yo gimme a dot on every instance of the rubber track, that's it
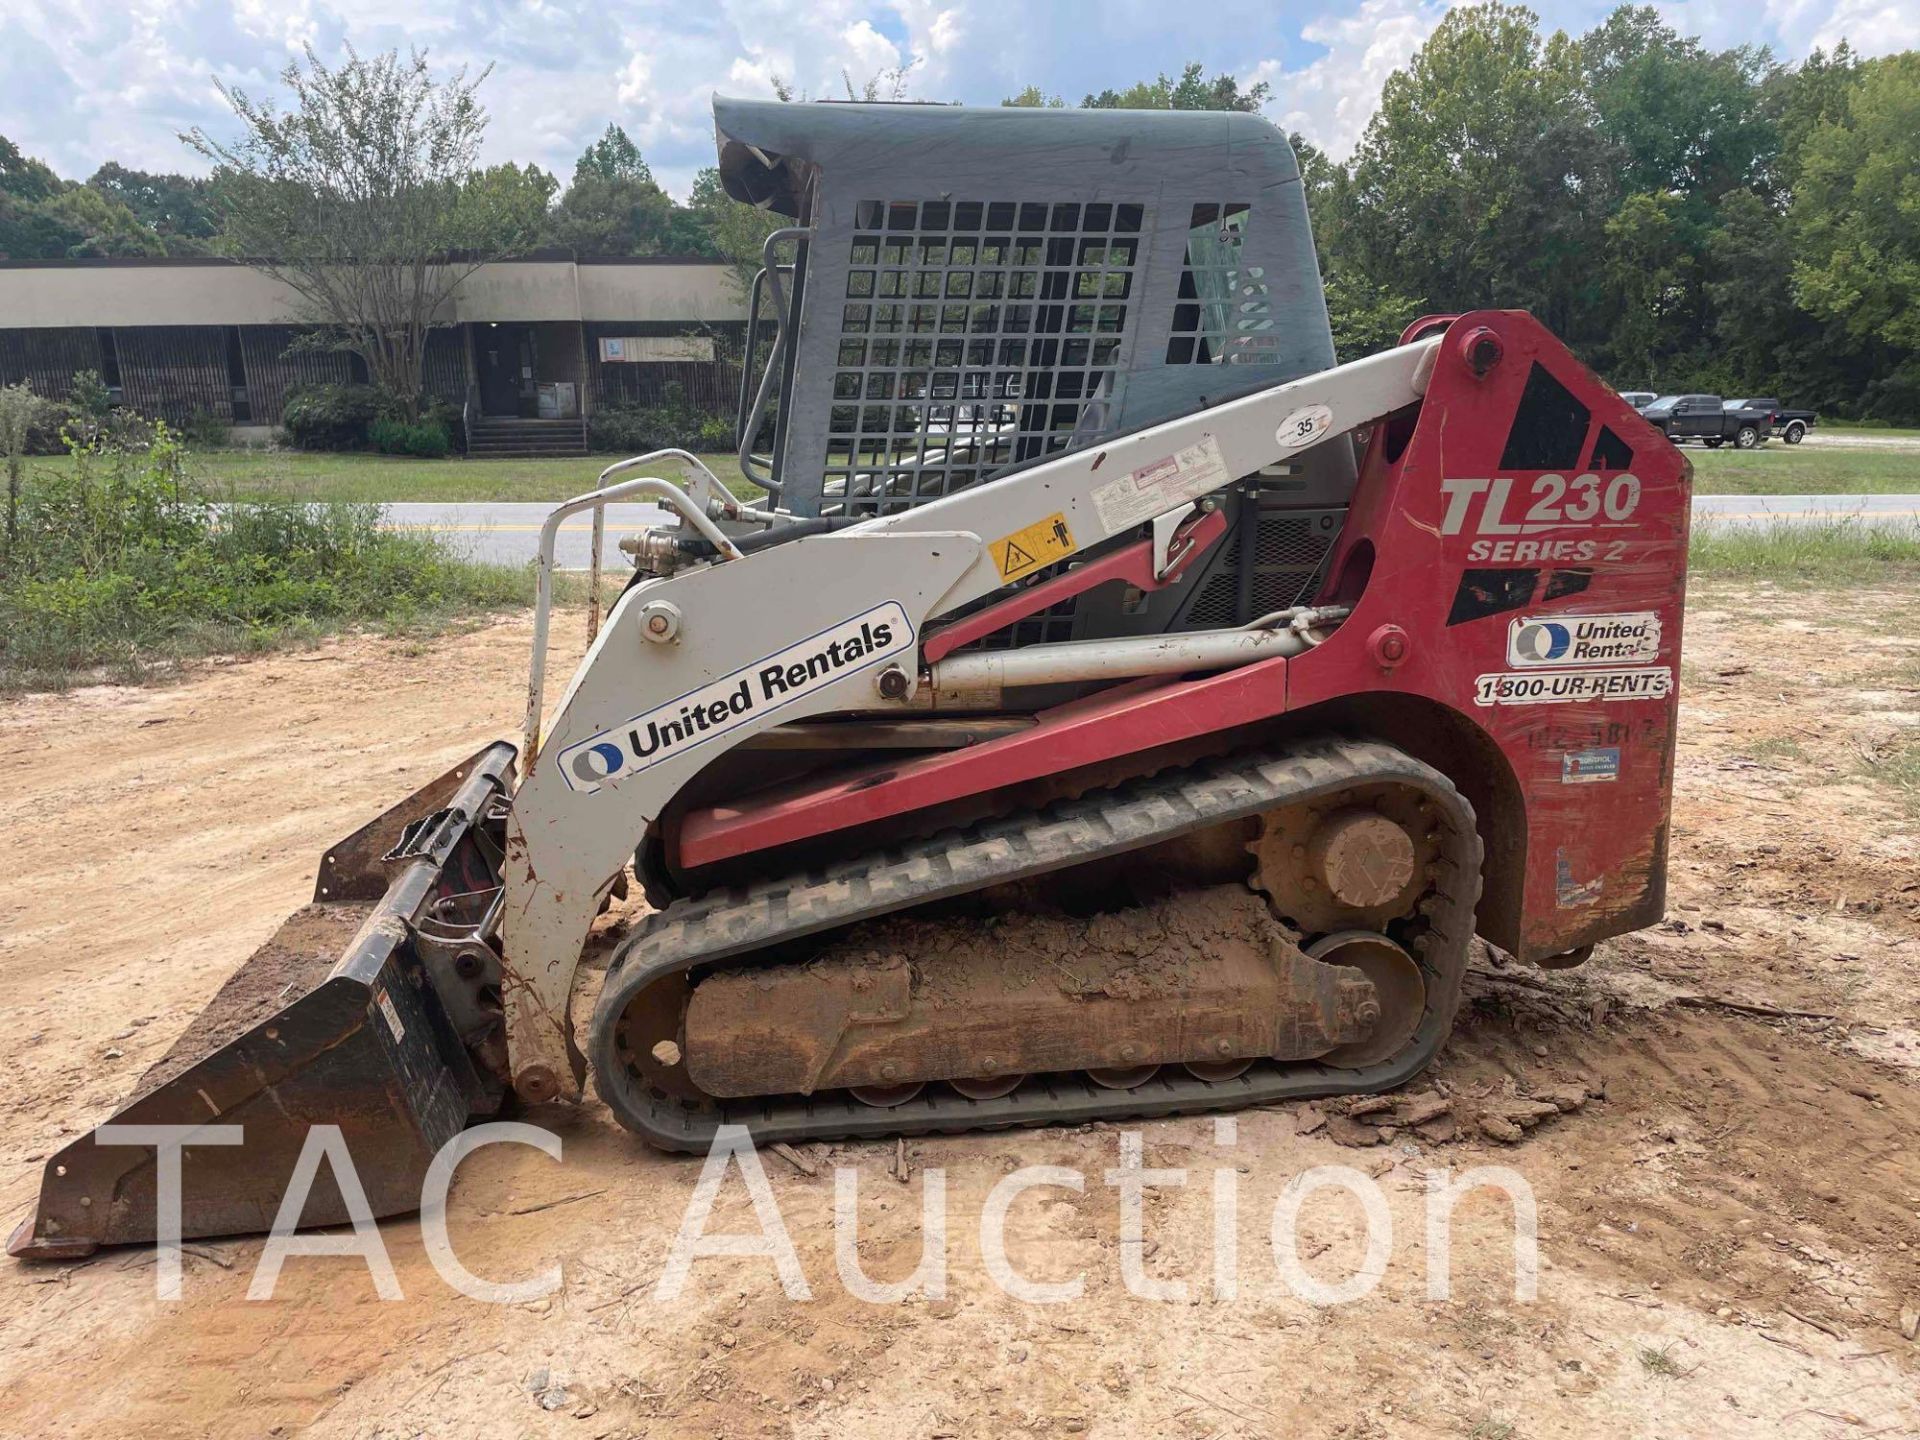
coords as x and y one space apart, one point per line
723 924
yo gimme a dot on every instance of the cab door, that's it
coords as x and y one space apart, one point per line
1697 417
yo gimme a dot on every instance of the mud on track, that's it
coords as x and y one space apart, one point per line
1729 1229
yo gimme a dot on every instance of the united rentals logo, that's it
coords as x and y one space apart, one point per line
733 700
1583 639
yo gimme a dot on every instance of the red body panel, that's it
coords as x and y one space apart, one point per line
1522 489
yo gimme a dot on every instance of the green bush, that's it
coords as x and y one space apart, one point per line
206 431
447 416
333 417
45 434
427 439
123 560
629 429
716 434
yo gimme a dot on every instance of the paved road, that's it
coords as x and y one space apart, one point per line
510 533
1859 440
1897 510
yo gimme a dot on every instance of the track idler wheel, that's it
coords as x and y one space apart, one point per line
988 1087
886 1097
1218 1072
1129 1077
1398 986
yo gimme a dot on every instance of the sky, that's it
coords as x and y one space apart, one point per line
85 81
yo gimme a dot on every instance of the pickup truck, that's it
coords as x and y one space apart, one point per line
1709 419
1790 425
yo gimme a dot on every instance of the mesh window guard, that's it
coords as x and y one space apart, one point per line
972 336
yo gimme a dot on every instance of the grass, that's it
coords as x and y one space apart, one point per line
1775 747
125 565
297 475
1778 469
1658 1360
1809 553
1870 427
1896 769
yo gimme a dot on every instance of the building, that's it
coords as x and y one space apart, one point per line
532 348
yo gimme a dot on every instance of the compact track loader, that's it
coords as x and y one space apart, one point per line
1115 707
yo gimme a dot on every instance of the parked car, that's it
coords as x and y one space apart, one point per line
1638 399
1708 419
1790 425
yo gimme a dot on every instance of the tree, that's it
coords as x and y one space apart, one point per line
1189 92
737 232
176 208
1034 98
1800 99
1476 176
19 409
102 226
612 157
23 177
1679 117
1650 273
27 232
365 198
1856 224
613 206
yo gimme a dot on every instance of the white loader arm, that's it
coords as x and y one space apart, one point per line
688 666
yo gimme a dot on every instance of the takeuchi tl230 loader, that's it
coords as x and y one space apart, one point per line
1114 708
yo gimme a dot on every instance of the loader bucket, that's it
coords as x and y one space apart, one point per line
375 1008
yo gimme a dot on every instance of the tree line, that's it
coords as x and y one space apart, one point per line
1684 218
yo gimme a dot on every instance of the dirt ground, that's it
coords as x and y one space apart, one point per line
1729 1211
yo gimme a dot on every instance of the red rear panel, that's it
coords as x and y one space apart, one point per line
1529 543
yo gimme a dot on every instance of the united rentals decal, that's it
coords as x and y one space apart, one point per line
749 693
1583 639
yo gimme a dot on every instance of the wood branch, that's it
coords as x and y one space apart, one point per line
1741 1007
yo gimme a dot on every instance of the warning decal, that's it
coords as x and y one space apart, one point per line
1162 486
1025 551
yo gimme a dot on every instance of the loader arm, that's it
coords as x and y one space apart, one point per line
690 665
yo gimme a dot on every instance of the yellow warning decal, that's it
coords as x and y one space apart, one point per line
1025 551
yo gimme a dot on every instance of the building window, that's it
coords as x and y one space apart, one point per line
109 361
237 378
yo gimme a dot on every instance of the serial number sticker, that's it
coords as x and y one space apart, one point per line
1567 687
1025 551
1303 427
1162 486
1598 766
392 1017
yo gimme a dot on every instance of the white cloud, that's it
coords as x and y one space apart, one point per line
1331 99
868 50
636 80
1870 27
1794 27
